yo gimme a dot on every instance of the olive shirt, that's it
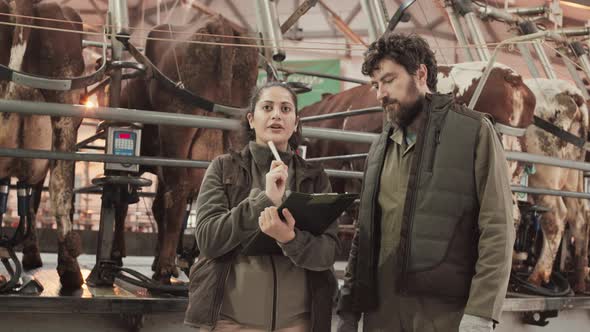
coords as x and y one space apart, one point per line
398 312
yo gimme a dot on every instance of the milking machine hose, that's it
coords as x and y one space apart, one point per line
561 283
15 275
141 280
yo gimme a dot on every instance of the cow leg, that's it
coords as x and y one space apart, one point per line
576 209
61 184
175 198
578 228
158 207
552 225
179 183
31 256
60 55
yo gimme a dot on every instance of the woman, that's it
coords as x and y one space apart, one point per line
239 196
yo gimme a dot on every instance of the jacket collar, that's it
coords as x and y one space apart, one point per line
263 156
302 170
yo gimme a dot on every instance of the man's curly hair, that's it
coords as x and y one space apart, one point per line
407 50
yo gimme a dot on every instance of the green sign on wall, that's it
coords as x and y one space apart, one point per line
319 85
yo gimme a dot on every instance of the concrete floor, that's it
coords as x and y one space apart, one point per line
570 320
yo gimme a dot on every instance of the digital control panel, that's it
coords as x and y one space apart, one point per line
123 142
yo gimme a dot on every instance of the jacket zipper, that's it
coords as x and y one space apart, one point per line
433 154
273 320
408 243
218 296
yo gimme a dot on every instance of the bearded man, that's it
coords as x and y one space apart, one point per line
433 242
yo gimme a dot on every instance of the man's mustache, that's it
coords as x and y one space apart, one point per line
389 102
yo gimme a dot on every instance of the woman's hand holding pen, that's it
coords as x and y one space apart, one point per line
271 224
276 182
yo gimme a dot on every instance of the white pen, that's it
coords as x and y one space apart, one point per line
275 153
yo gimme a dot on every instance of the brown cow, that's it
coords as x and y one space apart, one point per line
561 103
52 54
223 74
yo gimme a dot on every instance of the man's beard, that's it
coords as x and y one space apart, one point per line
403 114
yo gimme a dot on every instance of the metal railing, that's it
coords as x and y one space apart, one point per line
163 118
185 120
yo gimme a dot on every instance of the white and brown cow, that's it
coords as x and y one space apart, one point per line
561 103
52 54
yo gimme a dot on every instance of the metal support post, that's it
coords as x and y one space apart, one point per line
119 25
380 15
582 55
113 195
372 26
459 32
268 25
465 9
528 28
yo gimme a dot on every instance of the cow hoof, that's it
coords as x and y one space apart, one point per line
71 279
67 265
31 258
161 278
163 273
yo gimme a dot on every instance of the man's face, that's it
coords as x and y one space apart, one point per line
398 91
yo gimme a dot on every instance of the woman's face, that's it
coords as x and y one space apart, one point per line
274 117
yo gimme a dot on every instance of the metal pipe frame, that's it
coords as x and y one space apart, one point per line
526 54
169 162
545 63
185 120
142 160
550 161
84 143
98 157
350 113
574 74
119 21
549 192
92 43
459 32
528 11
94 189
512 16
268 24
342 157
491 61
333 77
372 26
573 32
336 173
477 36
585 63
380 15
162 118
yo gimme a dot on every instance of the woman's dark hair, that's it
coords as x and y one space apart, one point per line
248 134
410 51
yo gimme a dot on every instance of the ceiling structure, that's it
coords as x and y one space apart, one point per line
428 19
317 21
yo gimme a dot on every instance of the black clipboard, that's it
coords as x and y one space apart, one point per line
312 212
